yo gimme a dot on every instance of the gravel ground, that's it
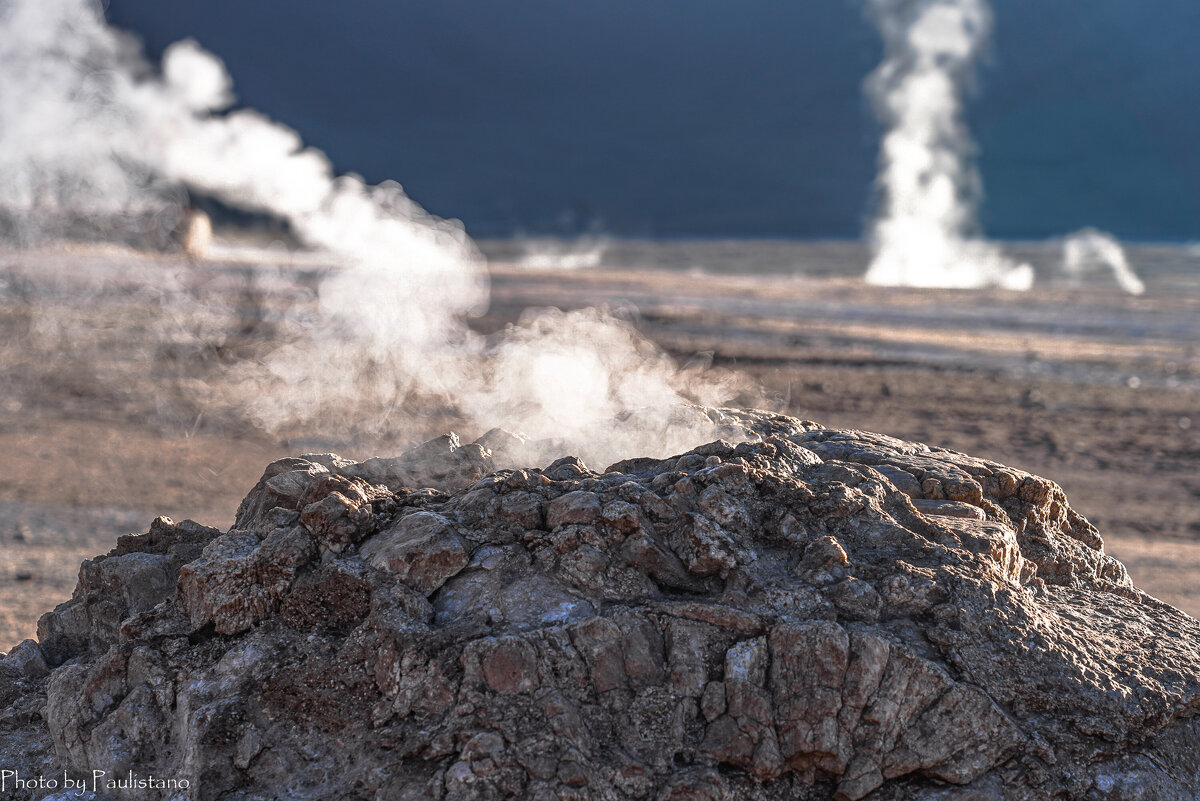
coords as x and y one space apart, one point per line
103 427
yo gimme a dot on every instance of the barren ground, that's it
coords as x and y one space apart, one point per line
1093 389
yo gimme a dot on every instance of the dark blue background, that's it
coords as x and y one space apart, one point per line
708 117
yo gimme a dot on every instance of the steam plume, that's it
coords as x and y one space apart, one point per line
89 130
1089 253
925 231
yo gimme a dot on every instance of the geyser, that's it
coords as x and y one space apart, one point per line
926 229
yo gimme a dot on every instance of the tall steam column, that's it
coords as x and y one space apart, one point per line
926 230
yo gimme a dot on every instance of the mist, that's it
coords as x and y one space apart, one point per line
92 136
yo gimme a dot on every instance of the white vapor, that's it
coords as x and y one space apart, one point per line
90 131
1089 254
553 254
66 154
925 230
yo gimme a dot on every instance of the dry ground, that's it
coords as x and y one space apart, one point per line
1093 389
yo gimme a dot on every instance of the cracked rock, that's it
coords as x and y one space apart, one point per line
808 614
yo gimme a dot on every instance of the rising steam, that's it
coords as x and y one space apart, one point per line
91 132
553 254
1089 256
925 233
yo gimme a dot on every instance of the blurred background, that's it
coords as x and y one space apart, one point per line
702 118
973 226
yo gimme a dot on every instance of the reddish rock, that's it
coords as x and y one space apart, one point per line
423 550
575 507
509 665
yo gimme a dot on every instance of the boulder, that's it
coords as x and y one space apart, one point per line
809 614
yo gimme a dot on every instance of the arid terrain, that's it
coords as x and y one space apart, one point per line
106 424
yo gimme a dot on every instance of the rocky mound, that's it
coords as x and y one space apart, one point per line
813 614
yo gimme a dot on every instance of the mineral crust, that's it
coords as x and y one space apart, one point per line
809 614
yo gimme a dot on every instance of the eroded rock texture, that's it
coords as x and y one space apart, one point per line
813 614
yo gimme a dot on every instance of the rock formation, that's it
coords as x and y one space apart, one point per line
811 614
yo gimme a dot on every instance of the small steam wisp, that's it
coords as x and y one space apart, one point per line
91 132
925 231
1089 256
551 254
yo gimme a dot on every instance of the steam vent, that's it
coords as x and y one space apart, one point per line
814 614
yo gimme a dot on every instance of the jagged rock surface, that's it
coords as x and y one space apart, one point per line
814 614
